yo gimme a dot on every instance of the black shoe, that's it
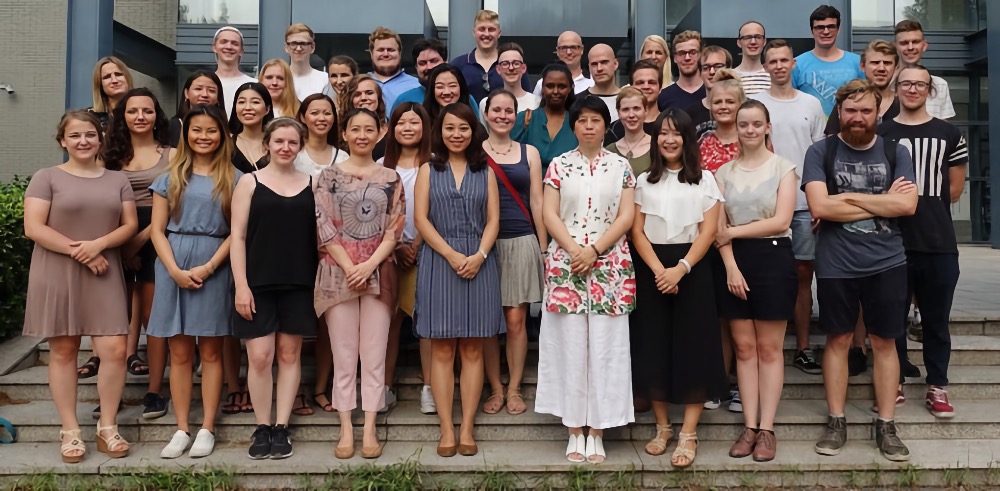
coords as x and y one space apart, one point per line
260 443
834 436
909 370
154 406
857 361
96 413
281 442
888 443
805 360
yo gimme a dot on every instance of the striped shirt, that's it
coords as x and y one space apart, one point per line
754 82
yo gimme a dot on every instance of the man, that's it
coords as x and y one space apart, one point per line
428 53
823 70
797 121
569 50
751 39
604 71
228 48
480 65
858 184
646 76
713 59
940 156
911 45
300 43
689 87
385 46
878 61
511 67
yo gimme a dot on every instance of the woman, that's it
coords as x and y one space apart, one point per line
202 87
408 146
79 214
583 348
754 239
341 69
655 48
252 110
137 146
192 299
276 75
547 128
363 92
112 79
274 268
322 146
359 218
676 346
457 212
635 145
519 246
445 85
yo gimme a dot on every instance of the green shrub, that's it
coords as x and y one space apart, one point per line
15 257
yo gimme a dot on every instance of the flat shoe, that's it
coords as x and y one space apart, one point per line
372 452
577 445
203 444
595 450
178 444
444 451
468 450
343 453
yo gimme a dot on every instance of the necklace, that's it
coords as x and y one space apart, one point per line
629 148
247 149
510 147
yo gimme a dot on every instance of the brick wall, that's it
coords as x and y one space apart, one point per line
158 20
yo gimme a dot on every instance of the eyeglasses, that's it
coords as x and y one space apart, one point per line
713 67
825 27
909 84
569 49
692 53
298 44
752 37
515 64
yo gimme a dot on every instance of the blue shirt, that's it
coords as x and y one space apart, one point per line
822 78
477 80
537 135
398 84
418 94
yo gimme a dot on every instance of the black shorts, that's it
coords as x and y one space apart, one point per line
718 268
147 254
768 266
881 297
288 311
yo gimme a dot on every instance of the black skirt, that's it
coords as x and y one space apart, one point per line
147 254
768 266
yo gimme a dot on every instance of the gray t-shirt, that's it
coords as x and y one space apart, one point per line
865 247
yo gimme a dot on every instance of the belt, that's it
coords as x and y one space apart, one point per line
196 234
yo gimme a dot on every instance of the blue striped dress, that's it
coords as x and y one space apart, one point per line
447 305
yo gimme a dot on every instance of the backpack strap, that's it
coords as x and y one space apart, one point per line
890 148
502 177
829 157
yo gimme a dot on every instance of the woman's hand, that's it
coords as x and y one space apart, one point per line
406 256
200 273
98 265
456 260
244 303
583 260
723 237
185 279
86 250
668 278
470 268
357 275
736 283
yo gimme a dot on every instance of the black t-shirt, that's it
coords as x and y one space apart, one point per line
675 96
617 131
935 146
833 123
175 131
701 117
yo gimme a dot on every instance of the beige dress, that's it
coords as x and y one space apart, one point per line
64 297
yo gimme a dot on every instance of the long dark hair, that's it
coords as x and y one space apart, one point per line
117 150
474 153
392 147
235 125
690 157
430 103
561 68
184 105
333 137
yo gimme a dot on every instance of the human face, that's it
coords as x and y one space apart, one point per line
752 127
647 81
589 128
751 39
318 118
274 79
250 108
632 113
228 47
569 48
724 105
911 46
687 56
361 134
299 46
825 32
555 89
511 66
284 145
780 63
385 57
339 76
913 86
366 96
879 68
113 81
711 64
456 133
409 129
446 89
487 35
426 61
81 140
500 116
140 114
603 65
202 91
670 142
204 135
857 120
653 51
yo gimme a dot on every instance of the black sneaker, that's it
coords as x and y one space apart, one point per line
834 436
281 442
909 370
154 406
260 443
857 361
805 360
888 443
96 413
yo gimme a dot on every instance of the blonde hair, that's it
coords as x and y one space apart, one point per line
488 16
688 35
380 33
858 89
287 102
299 28
880 46
101 102
223 173
668 77
728 80
627 92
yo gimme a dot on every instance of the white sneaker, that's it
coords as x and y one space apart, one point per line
735 404
427 405
713 404
178 444
203 445
390 401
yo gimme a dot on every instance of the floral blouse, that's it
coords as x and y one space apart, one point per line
714 153
356 213
589 196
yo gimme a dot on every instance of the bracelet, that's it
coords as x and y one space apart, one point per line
686 264
484 254
596 252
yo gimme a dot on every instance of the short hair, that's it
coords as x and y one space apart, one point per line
684 36
333 137
563 69
381 33
646 65
487 16
747 23
79 115
184 105
299 28
908 25
627 92
101 102
775 44
593 103
230 29
474 153
499 93
707 50
824 12
344 60
918 66
858 88
726 74
880 46
424 44
284 122
510 47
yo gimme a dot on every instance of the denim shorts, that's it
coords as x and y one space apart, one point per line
803 236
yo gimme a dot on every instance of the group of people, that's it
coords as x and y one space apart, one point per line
670 228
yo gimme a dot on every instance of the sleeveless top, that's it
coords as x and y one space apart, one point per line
142 179
281 239
513 223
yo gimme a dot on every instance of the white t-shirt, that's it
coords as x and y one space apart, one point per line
754 82
674 209
229 86
939 103
752 194
796 124
527 101
313 83
580 84
409 179
305 164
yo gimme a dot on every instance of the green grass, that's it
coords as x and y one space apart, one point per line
188 479
956 477
623 480
497 479
581 478
908 476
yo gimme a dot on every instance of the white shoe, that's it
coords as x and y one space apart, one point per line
390 401
427 405
178 444
577 444
203 445
595 450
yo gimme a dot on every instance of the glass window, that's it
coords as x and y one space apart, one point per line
869 13
934 15
677 9
218 11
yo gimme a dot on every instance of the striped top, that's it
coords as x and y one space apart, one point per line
754 82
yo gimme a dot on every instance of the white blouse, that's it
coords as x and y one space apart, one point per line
674 209
589 192
305 164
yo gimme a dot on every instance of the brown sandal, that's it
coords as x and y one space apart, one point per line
682 451
75 443
233 404
489 407
658 445
115 446
512 396
302 407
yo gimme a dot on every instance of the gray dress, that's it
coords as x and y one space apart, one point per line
194 239
447 305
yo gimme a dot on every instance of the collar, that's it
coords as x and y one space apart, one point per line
390 79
